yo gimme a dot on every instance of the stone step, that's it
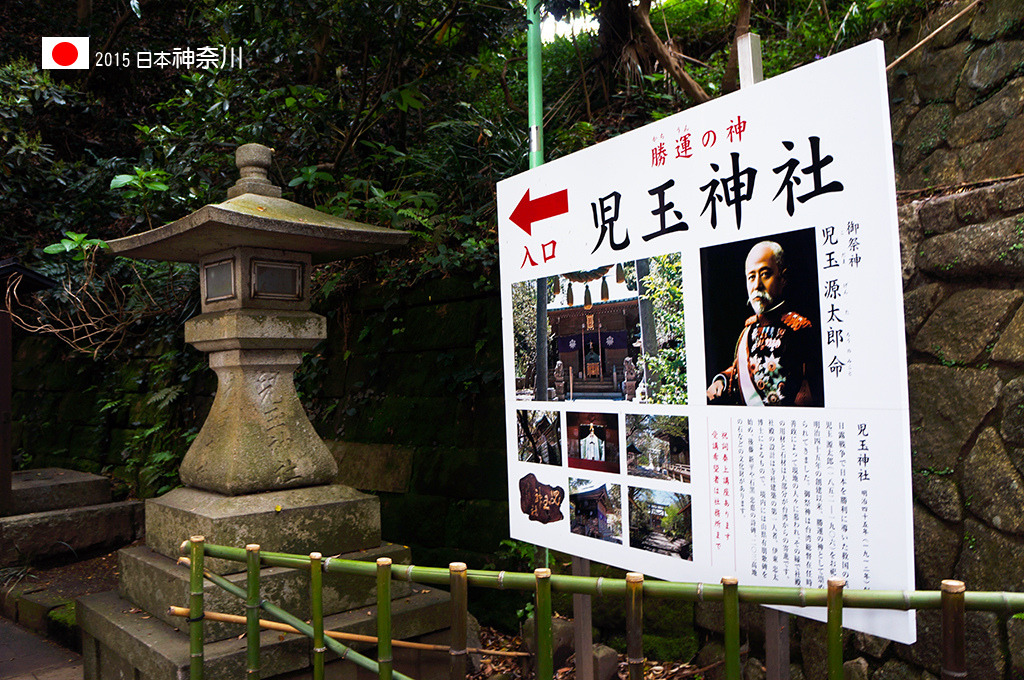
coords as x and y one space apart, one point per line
119 640
153 582
55 488
39 536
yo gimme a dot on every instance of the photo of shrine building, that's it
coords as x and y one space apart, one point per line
593 441
593 513
658 447
594 321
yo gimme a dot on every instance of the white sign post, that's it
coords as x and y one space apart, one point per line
693 436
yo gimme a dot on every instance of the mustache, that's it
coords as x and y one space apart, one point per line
760 300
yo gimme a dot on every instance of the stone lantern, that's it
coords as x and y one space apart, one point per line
255 252
257 472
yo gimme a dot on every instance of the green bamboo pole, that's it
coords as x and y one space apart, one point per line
954 660
385 656
284 617
316 594
460 601
731 617
901 600
635 625
195 601
252 611
542 610
834 627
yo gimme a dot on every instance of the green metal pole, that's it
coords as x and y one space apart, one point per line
534 79
635 625
834 628
460 601
252 611
731 617
535 121
316 587
385 658
545 643
195 614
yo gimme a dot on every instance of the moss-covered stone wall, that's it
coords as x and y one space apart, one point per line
956 102
412 407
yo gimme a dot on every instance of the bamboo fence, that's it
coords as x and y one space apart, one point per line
952 599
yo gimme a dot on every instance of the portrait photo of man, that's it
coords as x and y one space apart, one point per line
762 330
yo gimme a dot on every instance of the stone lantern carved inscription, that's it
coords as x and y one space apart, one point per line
255 252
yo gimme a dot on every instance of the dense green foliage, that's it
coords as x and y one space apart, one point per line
668 366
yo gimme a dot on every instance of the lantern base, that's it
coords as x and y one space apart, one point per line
257 437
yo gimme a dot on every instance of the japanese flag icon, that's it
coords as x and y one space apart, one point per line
61 53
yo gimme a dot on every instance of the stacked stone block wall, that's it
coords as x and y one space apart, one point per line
413 409
956 102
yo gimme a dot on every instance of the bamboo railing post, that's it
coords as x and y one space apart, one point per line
954 658
834 628
542 613
316 587
252 611
295 622
385 658
731 619
460 602
195 602
635 625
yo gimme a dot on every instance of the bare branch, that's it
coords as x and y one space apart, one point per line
97 314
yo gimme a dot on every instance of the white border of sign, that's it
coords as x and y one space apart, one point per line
836 477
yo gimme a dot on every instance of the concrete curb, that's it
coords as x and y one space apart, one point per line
44 613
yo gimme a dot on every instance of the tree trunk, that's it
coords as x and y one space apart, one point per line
666 57
731 82
84 12
648 331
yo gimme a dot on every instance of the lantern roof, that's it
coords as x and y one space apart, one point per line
258 218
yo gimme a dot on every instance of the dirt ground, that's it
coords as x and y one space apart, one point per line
97 574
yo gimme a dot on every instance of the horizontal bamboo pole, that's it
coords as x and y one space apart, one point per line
1000 602
338 635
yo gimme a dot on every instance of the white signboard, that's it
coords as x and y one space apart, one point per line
724 306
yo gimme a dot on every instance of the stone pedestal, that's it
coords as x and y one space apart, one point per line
330 519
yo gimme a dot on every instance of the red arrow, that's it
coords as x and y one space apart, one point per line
528 212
